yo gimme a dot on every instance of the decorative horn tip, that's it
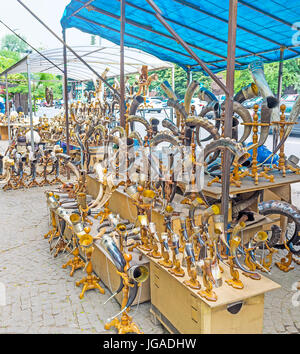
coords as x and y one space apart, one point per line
272 102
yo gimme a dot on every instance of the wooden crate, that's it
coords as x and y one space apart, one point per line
187 313
3 132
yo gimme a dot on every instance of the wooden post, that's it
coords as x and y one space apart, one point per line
122 79
66 104
30 103
231 43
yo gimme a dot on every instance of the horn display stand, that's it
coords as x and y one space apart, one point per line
76 262
207 293
103 214
282 164
89 282
125 324
254 168
285 262
251 265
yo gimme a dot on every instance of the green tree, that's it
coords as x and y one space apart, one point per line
12 43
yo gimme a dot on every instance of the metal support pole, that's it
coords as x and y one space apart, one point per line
231 43
280 72
173 88
188 77
66 103
7 107
122 79
30 103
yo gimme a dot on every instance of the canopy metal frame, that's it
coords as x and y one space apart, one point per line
231 60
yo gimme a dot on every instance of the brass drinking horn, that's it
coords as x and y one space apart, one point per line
133 192
143 220
138 273
148 196
219 227
238 228
77 224
212 210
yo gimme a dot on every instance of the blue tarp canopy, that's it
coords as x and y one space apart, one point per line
263 27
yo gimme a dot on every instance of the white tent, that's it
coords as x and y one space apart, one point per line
99 58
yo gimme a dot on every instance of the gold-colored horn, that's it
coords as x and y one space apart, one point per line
260 236
148 196
218 224
138 273
234 243
143 220
238 227
86 241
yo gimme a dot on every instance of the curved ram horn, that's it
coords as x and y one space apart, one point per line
167 123
239 152
163 137
139 119
178 107
211 106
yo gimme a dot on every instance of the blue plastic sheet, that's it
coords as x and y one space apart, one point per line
262 28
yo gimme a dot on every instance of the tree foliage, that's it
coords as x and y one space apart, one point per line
12 43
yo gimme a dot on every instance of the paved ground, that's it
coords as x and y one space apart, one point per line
41 296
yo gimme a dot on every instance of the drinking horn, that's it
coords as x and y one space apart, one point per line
189 95
246 118
178 107
265 117
200 122
139 119
135 104
164 137
257 71
165 86
295 112
110 246
245 93
68 163
282 208
136 274
167 123
98 168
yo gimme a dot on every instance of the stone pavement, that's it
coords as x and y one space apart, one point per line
41 297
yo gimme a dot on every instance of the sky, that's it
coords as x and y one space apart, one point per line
50 12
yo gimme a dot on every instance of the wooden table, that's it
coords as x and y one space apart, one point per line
186 312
